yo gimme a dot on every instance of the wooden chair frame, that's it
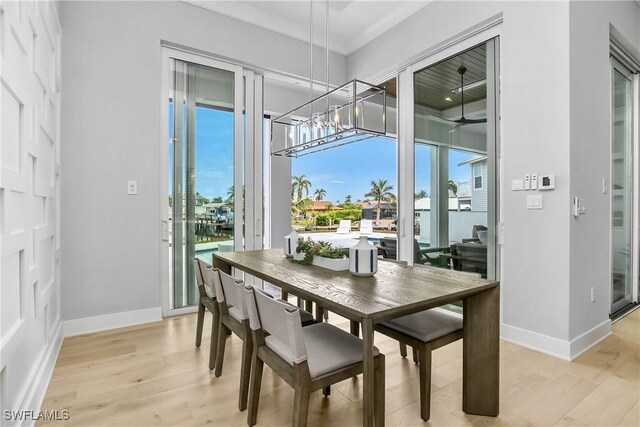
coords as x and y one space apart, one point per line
421 355
211 304
242 331
299 378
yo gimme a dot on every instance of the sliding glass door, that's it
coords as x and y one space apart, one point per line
204 188
454 162
622 228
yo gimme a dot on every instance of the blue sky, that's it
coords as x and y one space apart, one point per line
348 169
214 151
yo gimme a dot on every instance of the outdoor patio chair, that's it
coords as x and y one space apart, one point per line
366 226
344 227
205 279
424 332
388 247
307 359
470 257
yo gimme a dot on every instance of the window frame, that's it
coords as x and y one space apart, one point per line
480 175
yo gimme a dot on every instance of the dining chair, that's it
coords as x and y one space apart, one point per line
206 288
307 359
424 331
234 317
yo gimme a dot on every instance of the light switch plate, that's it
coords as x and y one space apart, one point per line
132 187
517 185
534 201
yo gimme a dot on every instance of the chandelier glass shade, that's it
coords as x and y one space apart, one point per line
352 112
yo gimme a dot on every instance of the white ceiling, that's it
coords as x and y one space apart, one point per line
352 23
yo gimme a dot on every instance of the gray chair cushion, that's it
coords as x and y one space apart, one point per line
426 325
328 349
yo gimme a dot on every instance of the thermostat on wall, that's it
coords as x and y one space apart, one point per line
546 182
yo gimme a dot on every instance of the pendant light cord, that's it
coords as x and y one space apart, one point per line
310 50
326 40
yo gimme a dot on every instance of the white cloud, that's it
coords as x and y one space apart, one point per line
337 182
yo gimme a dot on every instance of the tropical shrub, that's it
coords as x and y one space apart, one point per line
352 214
322 220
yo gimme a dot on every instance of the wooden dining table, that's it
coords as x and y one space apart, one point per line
395 290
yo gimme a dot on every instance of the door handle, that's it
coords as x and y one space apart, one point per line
165 231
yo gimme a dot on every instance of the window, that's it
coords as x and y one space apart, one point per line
477 176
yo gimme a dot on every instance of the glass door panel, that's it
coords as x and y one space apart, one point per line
621 191
454 185
201 171
425 234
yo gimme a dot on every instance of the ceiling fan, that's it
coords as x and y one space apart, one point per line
462 120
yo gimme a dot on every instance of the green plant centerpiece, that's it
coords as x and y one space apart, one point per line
319 253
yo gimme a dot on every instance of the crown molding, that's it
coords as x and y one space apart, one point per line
300 31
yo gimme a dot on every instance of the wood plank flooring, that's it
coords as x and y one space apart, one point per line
152 375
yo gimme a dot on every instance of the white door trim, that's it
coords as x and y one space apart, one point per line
489 30
167 54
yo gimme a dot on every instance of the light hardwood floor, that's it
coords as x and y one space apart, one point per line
153 375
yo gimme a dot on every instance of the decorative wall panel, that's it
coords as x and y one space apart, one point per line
30 326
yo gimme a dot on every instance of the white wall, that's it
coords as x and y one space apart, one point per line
590 153
546 127
460 225
30 327
112 122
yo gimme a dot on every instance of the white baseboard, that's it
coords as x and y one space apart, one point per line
87 325
535 341
566 350
590 338
36 386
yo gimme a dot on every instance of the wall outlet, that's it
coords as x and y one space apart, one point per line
132 187
534 181
593 294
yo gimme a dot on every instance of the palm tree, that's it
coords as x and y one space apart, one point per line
299 184
320 193
453 187
347 198
380 191
230 194
421 195
301 206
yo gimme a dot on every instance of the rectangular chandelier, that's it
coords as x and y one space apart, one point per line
352 112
